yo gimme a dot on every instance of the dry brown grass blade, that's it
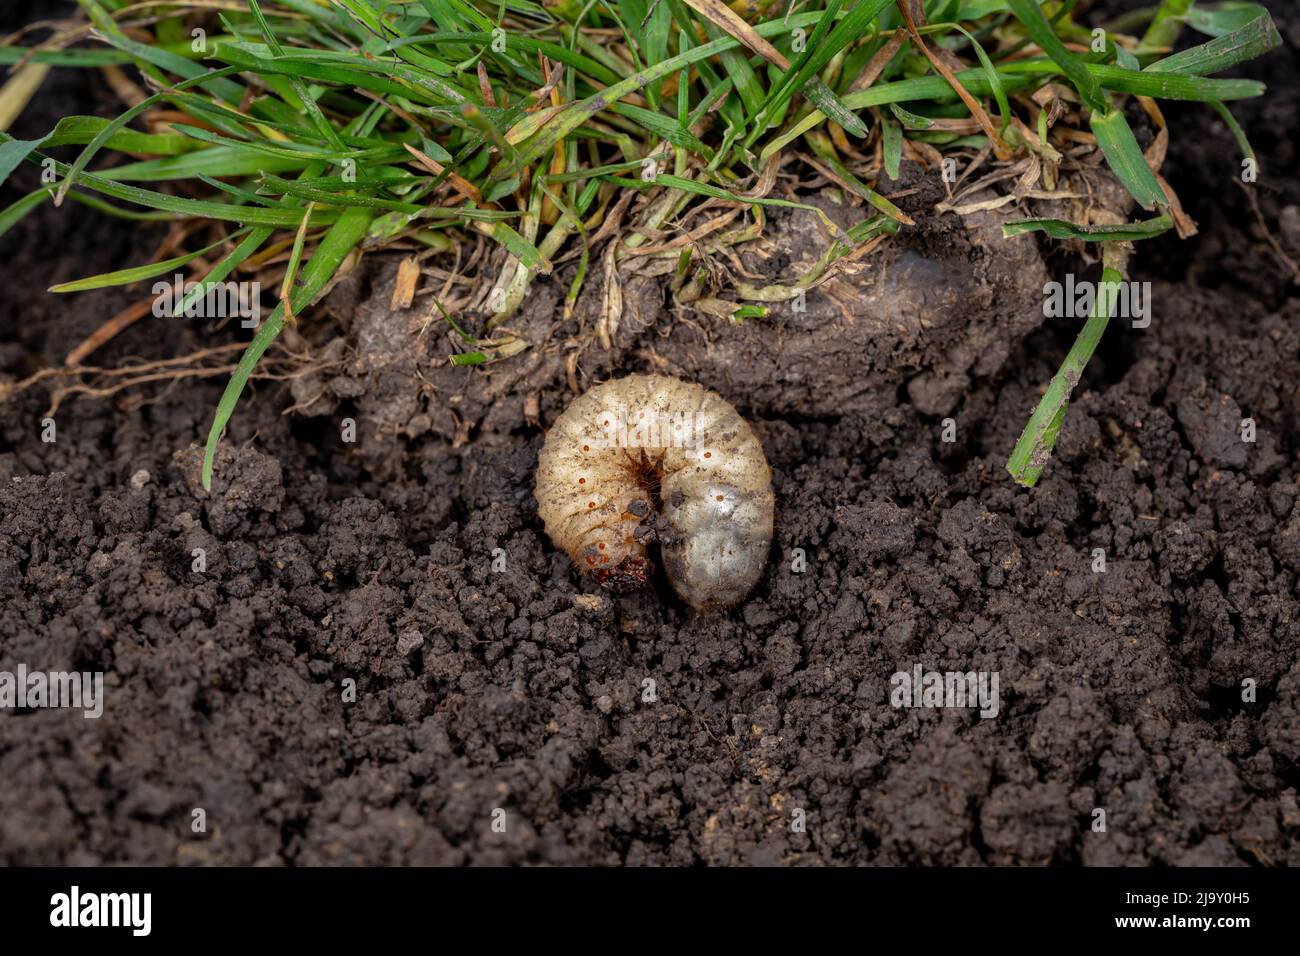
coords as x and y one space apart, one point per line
408 277
456 181
126 89
727 20
1154 155
485 85
999 148
552 74
1184 224
158 121
690 238
19 89
766 179
611 307
132 314
878 62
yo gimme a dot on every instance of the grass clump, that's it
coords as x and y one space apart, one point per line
303 131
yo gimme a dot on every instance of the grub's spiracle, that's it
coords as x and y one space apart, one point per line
650 458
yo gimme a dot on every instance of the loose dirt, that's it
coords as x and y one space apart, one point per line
525 689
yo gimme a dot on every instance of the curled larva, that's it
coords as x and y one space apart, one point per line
650 458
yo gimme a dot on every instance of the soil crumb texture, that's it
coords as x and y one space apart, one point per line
369 651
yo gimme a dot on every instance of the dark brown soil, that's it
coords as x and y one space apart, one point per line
524 689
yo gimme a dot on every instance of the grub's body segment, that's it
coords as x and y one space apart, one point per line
647 458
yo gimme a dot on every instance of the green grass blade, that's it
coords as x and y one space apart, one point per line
1061 229
818 52
1120 146
1171 86
80 130
136 273
891 135
1167 23
17 211
250 244
157 57
200 208
1239 134
13 152
307 101
1222 18
1035 23
342 238
106 134
1256 38
516 245
1038 440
